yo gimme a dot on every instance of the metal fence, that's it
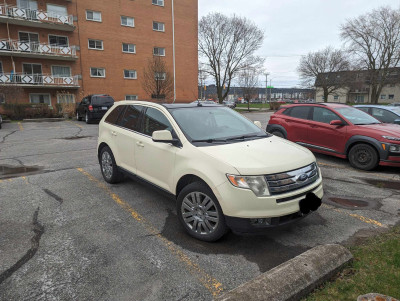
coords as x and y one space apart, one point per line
34 15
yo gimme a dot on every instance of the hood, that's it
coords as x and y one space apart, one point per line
386 129
261 156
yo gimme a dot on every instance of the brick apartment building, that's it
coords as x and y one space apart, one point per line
61 50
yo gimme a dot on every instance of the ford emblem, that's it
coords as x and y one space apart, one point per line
302 178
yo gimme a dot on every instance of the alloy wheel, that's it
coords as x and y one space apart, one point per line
107 165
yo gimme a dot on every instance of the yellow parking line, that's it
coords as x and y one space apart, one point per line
209 282
25 179
75 124
21 128
360 217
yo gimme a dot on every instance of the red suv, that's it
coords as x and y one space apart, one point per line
339 130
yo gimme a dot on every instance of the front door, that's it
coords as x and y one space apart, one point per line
155 161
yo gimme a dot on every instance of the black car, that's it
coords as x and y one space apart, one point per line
1 121
93 107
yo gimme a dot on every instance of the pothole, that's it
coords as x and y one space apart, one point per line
8 171
349 202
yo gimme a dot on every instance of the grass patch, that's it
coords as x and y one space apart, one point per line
375 269
253 105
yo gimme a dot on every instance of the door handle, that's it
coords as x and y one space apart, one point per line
113 133
138 143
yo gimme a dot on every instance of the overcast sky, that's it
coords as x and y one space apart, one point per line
293 28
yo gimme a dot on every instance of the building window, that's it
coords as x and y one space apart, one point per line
65 98
158 2
131 97
40 98
131 74
127 21
360 98
57 10
131 48
96 44
2 98
159 51
336 97
97 72
1 67
158 26
383 96
58 41
61 71
160 75
391 96
93 15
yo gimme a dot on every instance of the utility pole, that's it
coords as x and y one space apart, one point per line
266 86
270 87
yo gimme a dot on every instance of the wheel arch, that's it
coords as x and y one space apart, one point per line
101 146
366 140
186 180
274 127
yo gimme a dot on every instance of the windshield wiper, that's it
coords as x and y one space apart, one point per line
248 136
209 140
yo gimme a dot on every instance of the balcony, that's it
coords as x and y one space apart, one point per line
36 50
35 18
39 81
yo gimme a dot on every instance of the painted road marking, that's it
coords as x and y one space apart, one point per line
209 282
75 124
21 128
360 217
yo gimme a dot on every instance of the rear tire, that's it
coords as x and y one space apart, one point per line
87 118
200 213
278 133
363 156
108 166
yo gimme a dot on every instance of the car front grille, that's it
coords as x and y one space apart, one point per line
292 180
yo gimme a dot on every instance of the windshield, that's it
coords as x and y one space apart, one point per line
356 116
215 124
396 110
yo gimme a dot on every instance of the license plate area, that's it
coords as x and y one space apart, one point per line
104 108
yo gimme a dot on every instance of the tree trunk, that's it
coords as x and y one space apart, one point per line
374 96
248 105
326 94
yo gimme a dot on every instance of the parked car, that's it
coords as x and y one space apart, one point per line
385 114
395 104
1 121
339 130
93 107
229 103
195 154
204 102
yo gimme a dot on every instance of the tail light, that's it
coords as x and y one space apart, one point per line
90 108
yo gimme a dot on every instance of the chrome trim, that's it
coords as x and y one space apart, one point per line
292 180
317 147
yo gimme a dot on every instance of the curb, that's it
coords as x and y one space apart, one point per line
44 120
294 278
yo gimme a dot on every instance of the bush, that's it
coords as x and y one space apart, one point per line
274 106
28 110
67 110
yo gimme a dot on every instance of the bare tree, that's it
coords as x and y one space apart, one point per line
202 76
316 67
228 45
374 41
248 81
157 79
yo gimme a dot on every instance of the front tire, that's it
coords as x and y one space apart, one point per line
200 213
109 168
78 117
363 156
87 118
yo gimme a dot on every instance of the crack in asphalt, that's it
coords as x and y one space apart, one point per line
6 136
77 150
53 195
38 229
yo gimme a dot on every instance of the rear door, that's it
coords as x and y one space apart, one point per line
154 160
126 134
324 136
297 123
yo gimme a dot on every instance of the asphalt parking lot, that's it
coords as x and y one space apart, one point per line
94 241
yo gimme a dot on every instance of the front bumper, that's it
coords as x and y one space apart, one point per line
243 203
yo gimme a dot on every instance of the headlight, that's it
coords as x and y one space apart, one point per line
257 184
394 148
391 138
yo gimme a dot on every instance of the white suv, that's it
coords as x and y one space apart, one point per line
223 170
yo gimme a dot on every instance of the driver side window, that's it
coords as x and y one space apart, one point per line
324 115
155 120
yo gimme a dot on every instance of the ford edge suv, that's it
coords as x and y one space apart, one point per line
222 169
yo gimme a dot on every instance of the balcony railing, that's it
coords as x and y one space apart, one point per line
34 15
40 80
36 48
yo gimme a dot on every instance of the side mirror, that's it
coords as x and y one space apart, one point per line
257 123
397 121
336 122
163 136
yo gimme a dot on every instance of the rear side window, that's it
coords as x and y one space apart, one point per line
324 115
102 100
300 112
131 118
364 109
384 115
113 116
155 120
